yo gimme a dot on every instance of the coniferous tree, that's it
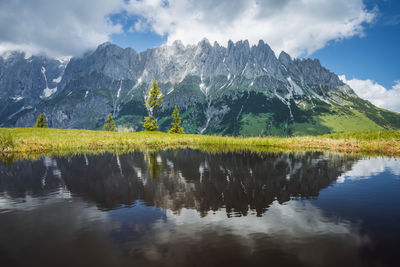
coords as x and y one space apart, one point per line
41 122
154 100
149 124
176 124
109 125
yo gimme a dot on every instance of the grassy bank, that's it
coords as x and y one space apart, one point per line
32 141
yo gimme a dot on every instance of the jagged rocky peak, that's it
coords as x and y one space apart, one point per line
204 43
285 58
315 74
216 84
200 59
109 59
105 45
178 45
109 49
264 48
172 63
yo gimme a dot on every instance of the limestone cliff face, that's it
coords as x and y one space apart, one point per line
217 89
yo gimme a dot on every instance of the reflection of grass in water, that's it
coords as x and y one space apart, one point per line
21 143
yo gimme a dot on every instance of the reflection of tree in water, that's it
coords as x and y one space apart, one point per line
240 182
154 163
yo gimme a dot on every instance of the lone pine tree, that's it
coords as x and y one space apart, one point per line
149 124
176 124
154 100
41 122
109 125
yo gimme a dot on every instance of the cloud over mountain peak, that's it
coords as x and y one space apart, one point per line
71 27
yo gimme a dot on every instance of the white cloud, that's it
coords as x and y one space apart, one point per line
56 27
376 93
298 27
140 26
70 27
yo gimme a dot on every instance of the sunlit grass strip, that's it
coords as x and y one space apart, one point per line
25 141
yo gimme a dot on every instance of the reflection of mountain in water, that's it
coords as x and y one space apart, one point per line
187 179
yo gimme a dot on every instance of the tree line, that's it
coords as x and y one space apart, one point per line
153 101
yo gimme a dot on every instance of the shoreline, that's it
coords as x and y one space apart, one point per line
23 142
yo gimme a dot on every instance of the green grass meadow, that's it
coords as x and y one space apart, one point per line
32 142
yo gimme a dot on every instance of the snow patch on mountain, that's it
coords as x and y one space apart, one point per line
17 98
119 89
47 92
58 79
64 60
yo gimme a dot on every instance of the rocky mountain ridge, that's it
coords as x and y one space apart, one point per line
234 90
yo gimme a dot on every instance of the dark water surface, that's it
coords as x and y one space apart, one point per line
190 208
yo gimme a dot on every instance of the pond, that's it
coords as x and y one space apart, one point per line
191 208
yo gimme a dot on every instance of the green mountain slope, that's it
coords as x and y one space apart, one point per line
252 113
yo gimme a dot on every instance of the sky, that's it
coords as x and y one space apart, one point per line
356 39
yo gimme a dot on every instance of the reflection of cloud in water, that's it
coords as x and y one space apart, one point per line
366 168
294 218
296 229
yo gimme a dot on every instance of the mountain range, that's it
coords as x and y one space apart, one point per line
234 90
